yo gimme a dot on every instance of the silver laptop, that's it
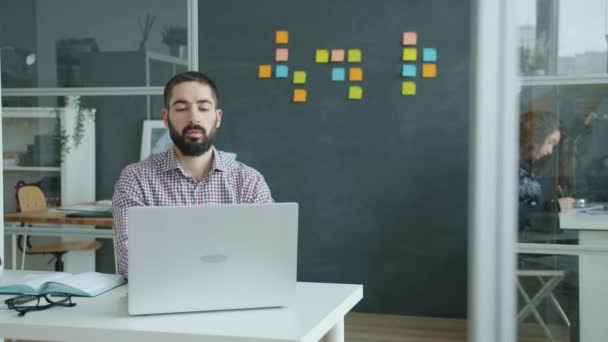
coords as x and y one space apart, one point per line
213 257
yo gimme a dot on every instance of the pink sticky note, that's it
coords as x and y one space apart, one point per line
282 55
410 38
337 55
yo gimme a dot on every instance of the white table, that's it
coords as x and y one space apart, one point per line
593 271
319 310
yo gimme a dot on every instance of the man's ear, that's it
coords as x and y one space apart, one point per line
165 113
219 118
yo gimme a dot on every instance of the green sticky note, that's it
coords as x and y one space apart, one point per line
355 93
354 55
410 54
299 77
322 56
408 88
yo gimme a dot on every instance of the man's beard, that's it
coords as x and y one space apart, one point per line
189 147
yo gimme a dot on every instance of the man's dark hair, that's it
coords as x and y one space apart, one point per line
190 76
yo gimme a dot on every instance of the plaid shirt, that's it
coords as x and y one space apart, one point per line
160 180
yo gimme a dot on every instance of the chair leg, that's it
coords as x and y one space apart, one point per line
23 254
531 307
58 262
558 307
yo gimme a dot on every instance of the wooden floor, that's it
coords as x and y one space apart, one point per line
361 327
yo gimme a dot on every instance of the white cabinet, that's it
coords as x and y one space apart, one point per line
29 154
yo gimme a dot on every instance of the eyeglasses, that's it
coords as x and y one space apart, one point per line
31 302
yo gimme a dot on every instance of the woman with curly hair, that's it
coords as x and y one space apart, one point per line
539 135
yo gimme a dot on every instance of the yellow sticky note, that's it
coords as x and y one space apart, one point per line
299 77
408 88
281 37
299 95
354 55
322 56
355 93
265 71
355 74
429 70
410 54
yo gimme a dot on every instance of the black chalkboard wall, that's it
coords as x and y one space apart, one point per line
381 182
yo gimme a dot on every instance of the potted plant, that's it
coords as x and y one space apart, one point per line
176 37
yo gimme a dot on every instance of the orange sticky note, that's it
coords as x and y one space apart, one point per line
408 88
337 55
429 70
265 71
299 77
355 93
281 37
410 54
355 74
410 38
299 95
282 55
322 56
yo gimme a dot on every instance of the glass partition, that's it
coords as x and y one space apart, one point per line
63 43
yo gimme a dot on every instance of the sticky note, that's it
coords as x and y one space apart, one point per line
337 74
429 55
354 55
281 71
282 55
408 70
265 71
322 56
281 37
410 38
355 93
299 95
408 88
355 74
429 70
299 77
410 54
337 55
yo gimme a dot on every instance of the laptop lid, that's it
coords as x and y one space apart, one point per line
212 257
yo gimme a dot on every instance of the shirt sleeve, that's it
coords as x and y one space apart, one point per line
261 192
127 193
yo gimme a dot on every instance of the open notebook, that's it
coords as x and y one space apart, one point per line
87 284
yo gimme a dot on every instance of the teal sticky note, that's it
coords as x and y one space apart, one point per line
337 74
429 55
408 70
281 71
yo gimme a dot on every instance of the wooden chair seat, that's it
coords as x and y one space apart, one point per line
31 198
64 247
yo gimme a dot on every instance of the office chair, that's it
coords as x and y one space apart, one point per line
31 198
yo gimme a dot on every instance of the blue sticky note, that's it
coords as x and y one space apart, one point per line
337 74
281 71
429 55
408 70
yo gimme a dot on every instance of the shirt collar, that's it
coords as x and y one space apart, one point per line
218 163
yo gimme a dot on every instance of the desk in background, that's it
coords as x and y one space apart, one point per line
593 270
70 228
319 309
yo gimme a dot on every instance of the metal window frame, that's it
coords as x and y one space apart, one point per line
493 172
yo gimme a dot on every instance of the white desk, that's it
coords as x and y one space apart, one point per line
593 272
319 309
